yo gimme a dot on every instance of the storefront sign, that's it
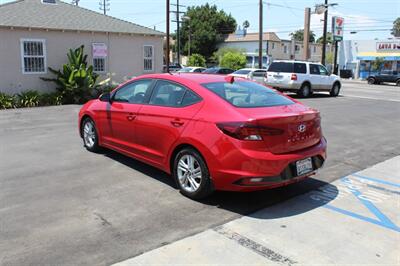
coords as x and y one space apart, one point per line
337 28
387 46
99 49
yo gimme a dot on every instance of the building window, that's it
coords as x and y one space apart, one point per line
285 49
148 58
314 49
99 64
33 56
296 49
273 45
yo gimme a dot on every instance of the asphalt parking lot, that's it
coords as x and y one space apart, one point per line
60 204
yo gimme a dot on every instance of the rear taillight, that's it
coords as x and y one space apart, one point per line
293 77
247 131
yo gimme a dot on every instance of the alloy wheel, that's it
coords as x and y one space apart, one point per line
189 173
89 134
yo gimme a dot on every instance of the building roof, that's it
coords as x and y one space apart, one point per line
252 37
62 16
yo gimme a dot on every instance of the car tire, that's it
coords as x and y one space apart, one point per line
398 82
89 135
371 81
191 174
304 91
335 90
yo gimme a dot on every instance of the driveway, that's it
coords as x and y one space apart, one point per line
60 204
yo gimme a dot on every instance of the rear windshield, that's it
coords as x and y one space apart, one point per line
281 67
247 94
242 72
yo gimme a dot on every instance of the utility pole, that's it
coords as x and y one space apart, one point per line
335 59
105 6
324 35
167 43
260 33
306 37
178 22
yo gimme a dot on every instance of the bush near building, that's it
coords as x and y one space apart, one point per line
233 60
197 60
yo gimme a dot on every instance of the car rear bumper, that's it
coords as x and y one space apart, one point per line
263 170
284 86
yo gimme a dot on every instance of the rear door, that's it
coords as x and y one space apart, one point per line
122 112
161 122
315 77
326 81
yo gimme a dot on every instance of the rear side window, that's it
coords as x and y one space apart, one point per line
300 68
167 94
314 69
190 98
283 67
247 94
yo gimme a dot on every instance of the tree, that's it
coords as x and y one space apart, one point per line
76 80
329 38
233 60
298 35
197 60
207 27
396 28
376 65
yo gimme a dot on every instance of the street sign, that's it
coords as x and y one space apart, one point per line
337 28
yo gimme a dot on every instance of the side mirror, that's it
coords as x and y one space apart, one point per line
105 97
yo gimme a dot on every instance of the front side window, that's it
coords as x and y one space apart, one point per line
134 92
148 58
323 71
247 94
33 55
242 71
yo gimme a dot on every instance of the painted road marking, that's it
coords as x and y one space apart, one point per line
369 98
367 198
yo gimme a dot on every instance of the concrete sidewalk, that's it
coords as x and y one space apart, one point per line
354 220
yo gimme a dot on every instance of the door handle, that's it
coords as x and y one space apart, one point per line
177 123
130 116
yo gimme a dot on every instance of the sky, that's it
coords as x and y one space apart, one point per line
370 19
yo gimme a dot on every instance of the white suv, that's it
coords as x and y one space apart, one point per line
301 77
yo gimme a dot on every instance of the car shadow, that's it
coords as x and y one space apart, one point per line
242 203
314 95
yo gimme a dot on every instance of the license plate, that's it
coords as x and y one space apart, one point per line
304 166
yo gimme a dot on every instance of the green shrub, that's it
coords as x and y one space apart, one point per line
233 60
29 98
76 80
197 60
100 90
47 99
7 101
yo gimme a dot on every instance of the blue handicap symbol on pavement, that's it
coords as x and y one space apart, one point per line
382 220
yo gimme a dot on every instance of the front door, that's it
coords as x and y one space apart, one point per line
122 113
161 122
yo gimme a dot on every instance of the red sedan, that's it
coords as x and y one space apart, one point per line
210 132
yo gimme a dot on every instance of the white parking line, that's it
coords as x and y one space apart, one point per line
370 98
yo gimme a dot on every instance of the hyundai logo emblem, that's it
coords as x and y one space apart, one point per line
302 128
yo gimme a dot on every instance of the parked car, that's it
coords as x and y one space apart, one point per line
192 70
172 68
218 70
251 74
209 132
389 76
302 77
